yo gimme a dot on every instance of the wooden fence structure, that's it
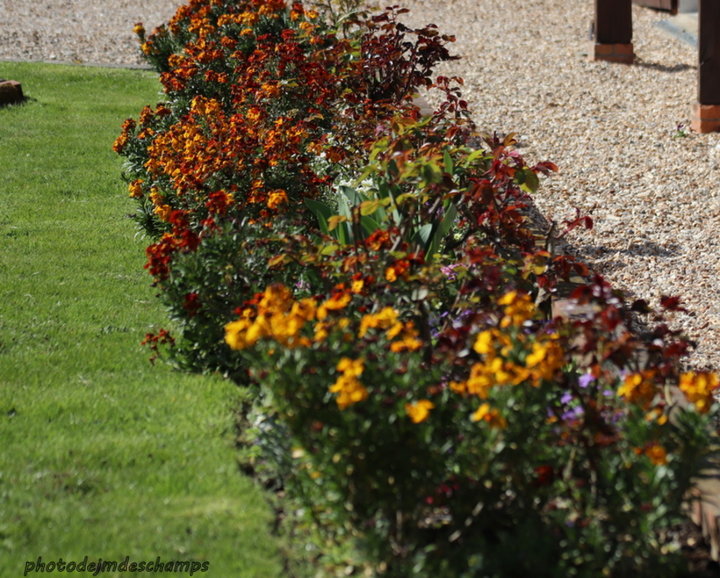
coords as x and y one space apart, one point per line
613 42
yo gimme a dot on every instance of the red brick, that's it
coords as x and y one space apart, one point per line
706 118
621 53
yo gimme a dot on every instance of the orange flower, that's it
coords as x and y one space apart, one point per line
656 453
397 269
136 189
276 198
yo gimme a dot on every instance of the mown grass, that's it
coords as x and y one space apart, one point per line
103 455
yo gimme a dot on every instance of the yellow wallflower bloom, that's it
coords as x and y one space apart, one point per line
135 188
349 390
698 388
357 286
407 343
518 308
420 410
335 303
276 297
638 387
348 386
484 343
460 387
490 415
351 367
545 359
386 318
163 212
305 309
321 330
480 380
235 333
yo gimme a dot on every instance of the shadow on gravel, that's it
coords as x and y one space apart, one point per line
664 67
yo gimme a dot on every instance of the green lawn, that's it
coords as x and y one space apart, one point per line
102 454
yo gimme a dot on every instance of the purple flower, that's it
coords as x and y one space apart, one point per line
585 380
449 270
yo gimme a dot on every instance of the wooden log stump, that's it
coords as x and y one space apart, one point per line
10 92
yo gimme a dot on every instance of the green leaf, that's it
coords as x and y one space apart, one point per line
529 181
369 224
448 162
321 211
423 234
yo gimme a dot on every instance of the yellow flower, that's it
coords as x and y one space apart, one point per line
518 308
387 318
321 331
336 302
538 354
657 415
419 411
407 343
260 328
698 388
235 333
163 212
638 387
348 386
480 380
351 367
490 415
460 387
544 360
276 298
305 309
349 390
284 328
484 343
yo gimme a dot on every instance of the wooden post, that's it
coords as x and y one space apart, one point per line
613 31
706 113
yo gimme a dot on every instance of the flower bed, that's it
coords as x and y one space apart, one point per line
371 273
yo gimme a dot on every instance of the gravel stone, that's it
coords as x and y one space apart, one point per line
620 134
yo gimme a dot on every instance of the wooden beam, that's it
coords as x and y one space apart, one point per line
613 31
706 117
669 5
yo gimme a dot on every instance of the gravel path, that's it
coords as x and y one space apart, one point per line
653 190
651 187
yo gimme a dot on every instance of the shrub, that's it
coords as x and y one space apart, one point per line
374 274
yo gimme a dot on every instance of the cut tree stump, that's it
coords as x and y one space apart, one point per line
10 92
